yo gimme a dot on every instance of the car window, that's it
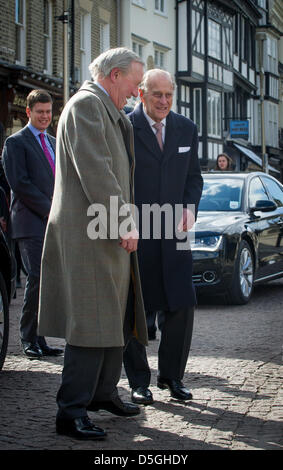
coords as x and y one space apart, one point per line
221 194
257 192
275 190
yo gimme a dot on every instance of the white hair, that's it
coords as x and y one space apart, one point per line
152 73
120 57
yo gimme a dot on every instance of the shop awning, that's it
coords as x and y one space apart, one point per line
254 157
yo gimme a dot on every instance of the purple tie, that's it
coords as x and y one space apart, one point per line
46 151
158 126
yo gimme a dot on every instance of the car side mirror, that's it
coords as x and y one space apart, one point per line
264 206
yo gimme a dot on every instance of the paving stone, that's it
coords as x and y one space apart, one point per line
235 372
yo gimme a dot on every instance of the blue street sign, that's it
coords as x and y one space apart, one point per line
239 129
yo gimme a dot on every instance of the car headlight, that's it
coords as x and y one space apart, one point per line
207 243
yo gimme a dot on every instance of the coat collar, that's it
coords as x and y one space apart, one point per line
113 112
34 144
144 131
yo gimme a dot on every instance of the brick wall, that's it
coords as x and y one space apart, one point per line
35 27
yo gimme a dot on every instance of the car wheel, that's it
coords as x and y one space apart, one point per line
242 284
4 321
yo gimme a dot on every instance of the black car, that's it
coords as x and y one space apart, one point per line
7 290
238 234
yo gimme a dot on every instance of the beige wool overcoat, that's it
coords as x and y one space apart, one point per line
85 281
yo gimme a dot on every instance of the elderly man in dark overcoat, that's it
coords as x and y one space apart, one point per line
167 174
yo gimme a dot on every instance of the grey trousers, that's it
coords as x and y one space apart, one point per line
91 374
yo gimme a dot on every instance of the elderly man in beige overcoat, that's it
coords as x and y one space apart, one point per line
88 276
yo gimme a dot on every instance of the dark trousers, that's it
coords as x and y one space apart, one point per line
176 334
31 252
91 374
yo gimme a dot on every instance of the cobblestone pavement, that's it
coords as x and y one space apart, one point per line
234 371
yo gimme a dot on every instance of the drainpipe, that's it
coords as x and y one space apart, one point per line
118 22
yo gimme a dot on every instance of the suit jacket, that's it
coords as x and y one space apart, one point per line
31 179
169 177
85 280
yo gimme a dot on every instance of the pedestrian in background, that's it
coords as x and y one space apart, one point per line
29 161
86 280
167 172
224 163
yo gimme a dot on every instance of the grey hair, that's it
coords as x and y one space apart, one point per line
120 57
150 74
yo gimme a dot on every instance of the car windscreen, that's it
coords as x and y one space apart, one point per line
221 194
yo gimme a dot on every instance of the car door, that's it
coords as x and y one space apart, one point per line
265 225
275 190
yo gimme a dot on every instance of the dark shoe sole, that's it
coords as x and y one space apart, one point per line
165 386
142 401
52 354
32 357
62 432
114 411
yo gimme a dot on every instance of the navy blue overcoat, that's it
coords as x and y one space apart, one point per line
169 177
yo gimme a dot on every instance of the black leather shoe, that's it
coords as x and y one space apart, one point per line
79 428
115 406
142 396
176 387
32 350
48 351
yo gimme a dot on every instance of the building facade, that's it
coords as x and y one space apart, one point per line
32 56
148 28
219 80
226 56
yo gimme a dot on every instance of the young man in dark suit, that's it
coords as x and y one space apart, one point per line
167 172
29 164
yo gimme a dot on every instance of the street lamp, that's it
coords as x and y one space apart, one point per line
65 20
261 37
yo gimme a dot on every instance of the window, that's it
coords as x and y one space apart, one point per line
213 113
275 190
262 3
243 39
20 19
198 32
273 87
251 46
184 100
257 192
272 131
104 36
214 39
227 42
159 6
47 33
140 3
85 46
198 109
138 48
272 55
236 33
159 59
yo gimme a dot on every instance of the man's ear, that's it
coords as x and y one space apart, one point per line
114 74
28 112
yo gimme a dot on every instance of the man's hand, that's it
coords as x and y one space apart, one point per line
130 241
187 221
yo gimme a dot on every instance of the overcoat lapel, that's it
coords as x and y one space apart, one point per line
172 135
145 133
